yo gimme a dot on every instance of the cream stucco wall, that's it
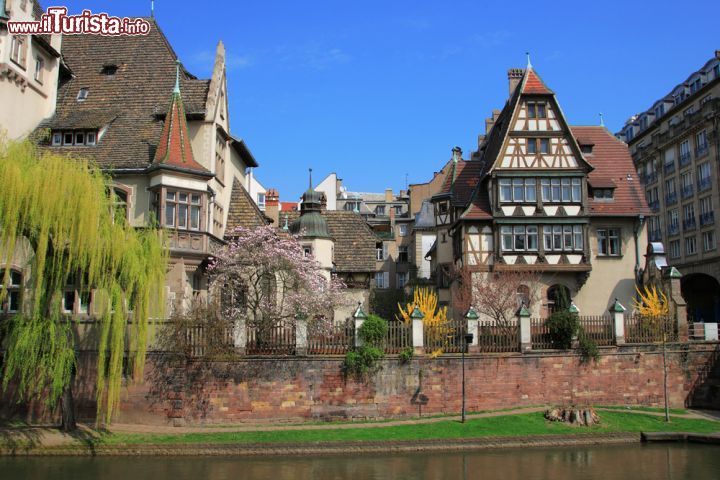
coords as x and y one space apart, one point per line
612 277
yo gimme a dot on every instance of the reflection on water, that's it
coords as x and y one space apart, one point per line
632 462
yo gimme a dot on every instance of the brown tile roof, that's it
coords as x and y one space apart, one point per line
467 174
243 212
135 97
174 149
354 240
613 163
533 84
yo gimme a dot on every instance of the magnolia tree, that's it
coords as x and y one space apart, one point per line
264 276
499 295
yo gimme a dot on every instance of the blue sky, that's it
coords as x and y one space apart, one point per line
375 90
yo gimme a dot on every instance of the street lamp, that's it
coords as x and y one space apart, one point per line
468 338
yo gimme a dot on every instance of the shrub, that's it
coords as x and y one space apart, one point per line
365 360
406 354
588 349
373 331
362 362
563 326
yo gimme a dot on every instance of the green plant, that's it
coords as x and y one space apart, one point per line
362 361
406 354
373 331
588 349
563 326
365 360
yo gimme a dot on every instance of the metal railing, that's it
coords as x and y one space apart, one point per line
704 184
271 339
686 191
650 329
335 340
399 336
669 167
689 224
701 150
685 159
671 198
598 328
707 218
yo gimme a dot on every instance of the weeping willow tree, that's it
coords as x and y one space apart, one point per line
64 209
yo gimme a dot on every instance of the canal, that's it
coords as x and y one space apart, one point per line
631 462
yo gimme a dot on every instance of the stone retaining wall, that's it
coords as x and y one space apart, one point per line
292 388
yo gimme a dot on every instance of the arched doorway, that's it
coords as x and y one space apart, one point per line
558 298
702 295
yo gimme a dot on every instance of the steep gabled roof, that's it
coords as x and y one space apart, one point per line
135 96
243 212
613 166
466 176
532 83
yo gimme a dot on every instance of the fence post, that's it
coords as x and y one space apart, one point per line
240 336
418 335
523 315
618 313
672 277
711 332
473 321
359 317
575 311
301 334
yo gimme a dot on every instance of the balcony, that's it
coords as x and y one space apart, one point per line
704 184
671 198
655 235
686 191
654 205
673 229
689 224
701 150
651 178
685 159
669 167
707 218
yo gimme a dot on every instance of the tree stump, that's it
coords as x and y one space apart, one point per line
585 417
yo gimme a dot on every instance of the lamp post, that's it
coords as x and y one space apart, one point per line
468 337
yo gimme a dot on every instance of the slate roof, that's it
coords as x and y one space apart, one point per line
133 101
243 212
354 240
613 164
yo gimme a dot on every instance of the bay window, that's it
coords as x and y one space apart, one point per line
183 210
558 238
561 190
517 190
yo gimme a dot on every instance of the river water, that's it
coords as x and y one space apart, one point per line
630 462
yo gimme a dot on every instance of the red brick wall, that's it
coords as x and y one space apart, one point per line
313 387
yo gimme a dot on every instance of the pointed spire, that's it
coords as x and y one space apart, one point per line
529 65
176 90
286 227
152 8
602 122
310 179
174 148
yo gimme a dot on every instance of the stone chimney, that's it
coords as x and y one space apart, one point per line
514 77
389 195
272 206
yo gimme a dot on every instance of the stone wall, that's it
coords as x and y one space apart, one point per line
313 387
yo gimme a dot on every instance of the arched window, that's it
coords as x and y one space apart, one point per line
11 302
558 297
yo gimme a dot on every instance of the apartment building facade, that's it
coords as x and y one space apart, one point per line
675 149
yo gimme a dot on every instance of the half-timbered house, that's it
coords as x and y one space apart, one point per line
540 195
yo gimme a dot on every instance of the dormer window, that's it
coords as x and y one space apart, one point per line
82 94
586 149
109 70
74 138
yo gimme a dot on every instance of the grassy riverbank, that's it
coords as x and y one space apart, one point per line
529 424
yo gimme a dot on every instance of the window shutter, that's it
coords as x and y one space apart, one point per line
385 251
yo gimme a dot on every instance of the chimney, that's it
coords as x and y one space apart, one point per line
514 77
389 195
272 206
456 154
